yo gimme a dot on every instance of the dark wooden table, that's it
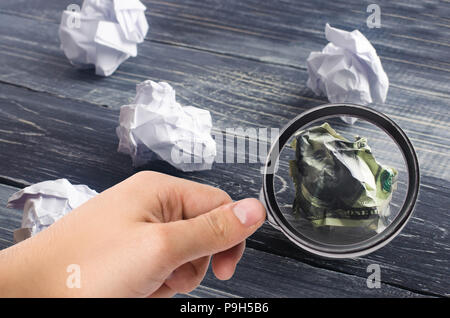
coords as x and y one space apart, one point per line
244 61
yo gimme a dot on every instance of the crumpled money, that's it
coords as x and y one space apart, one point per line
46 202
103 34
348 70
156 127
338 182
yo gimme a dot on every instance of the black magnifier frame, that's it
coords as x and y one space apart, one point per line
275 216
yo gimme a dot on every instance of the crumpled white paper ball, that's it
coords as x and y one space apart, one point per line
347 70
46 202
156 126
103 34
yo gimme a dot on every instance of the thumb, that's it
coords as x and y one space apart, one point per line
215 231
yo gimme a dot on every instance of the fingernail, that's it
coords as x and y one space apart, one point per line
249 211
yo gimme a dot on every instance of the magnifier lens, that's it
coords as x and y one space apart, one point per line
337 184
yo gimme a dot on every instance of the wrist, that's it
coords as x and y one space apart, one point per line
13 276
23 272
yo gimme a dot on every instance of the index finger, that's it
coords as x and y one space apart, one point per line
191 197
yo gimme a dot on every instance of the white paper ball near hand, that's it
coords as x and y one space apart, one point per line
46 202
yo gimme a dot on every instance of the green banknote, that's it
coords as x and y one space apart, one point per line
338 182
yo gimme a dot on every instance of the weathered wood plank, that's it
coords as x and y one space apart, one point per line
9 219
238 92
44 140
259 274
429 226
413 40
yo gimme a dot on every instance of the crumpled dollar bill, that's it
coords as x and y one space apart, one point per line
338 182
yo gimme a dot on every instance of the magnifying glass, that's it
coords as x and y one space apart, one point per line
339 190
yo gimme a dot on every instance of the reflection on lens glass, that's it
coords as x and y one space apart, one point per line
340 184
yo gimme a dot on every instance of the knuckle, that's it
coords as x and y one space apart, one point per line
223 196
161 240
191 281
188 285
226 197
145 175
193 286
220 196
217 226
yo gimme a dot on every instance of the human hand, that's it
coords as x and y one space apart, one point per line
150 235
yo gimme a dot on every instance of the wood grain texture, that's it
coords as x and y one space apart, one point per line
226 27
276 276
238 92
245 62
77 141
